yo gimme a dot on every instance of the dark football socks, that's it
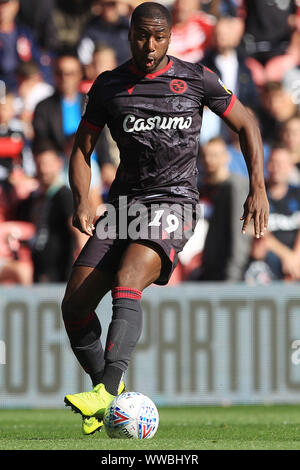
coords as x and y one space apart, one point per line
123 334
84 335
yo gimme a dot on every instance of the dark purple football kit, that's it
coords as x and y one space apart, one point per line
155 120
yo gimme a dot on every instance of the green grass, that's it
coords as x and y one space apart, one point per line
193 428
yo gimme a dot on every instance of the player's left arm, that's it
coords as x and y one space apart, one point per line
256 206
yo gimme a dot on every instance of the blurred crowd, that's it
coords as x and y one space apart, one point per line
51 51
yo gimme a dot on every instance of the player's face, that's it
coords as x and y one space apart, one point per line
149 41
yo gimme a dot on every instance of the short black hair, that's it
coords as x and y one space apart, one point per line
151 10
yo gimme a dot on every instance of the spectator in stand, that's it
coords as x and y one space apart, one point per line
16 45
13 146
104 58
279 250
110 25
15 261
31 90
277 106
226 250
57 117
290 136
16 184
223 58
37 15
50 209
11 136
56 120
272 38
191 32
69 19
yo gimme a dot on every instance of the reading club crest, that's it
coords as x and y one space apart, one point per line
178 86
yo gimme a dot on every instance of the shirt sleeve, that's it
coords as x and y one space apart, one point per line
216 96
94 113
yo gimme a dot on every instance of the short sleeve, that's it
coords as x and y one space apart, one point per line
216 96
94 113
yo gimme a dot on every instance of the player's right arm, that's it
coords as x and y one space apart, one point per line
92 122
80 176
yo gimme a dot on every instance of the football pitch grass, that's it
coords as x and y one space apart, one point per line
183 428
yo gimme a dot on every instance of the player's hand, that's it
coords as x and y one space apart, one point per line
83 219
256 207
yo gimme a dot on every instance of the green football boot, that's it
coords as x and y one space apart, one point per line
92 405
91 425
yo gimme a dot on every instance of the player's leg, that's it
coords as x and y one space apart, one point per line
85 289
140 266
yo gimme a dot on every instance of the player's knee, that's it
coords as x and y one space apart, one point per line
129 278
134 279
65 309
